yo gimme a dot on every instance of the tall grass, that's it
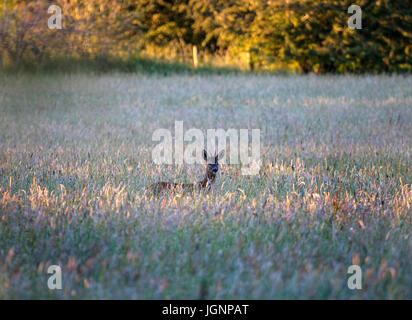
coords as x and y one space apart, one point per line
109 65
335 188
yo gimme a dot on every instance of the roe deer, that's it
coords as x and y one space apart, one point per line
212 167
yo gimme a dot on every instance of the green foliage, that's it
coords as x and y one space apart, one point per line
304 36
315 35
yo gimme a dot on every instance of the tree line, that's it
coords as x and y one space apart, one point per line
264 35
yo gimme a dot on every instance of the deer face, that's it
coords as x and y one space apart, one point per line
212 163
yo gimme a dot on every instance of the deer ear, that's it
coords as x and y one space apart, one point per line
220 155
205 154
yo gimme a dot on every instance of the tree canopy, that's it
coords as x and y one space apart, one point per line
302 36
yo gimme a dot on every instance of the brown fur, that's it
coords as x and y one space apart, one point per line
207 181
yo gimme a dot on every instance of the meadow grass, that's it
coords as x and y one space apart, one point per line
334 189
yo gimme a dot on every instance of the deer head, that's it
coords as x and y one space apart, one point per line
212 164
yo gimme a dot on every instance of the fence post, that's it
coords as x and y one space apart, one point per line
195 60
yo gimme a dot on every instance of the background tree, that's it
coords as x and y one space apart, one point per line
302 36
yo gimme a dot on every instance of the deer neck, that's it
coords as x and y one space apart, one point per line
208 179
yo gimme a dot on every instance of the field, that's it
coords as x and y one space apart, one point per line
334 188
